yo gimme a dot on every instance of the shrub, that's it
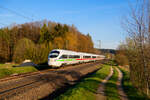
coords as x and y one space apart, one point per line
26 49
121 59
23 50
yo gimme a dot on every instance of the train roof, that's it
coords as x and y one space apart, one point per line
74 52
64 51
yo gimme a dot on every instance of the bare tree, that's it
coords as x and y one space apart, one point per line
137 25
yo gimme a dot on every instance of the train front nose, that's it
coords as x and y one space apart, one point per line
53 56
52 62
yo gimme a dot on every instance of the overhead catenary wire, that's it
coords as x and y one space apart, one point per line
2 24
18 14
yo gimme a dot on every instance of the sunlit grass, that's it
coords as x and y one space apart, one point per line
86 89
17 70
7 65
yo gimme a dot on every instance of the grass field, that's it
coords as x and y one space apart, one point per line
130 90
111 87
7 69
7 65
86 89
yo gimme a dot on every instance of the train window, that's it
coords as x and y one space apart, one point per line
71 56
74 56
54 54
63 57
93 56
86 56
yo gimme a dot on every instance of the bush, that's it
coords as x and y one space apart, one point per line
40 54
23 50
26 49
121 59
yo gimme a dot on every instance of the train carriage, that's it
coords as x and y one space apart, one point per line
59 57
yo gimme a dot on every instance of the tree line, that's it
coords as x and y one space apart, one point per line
35 40
135 50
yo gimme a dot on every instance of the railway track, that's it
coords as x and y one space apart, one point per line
29 74
24 75
38 72
14 86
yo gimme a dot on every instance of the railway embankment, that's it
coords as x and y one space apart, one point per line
105 84
87 88
43 84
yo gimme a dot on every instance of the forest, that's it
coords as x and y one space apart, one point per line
35 40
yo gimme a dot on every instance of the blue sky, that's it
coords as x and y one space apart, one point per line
100 18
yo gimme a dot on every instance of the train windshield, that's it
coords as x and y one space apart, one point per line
54 54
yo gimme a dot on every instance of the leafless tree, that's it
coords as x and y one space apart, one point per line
137 25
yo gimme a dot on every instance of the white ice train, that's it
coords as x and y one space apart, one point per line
59 57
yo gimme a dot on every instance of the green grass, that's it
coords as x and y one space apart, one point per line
7 65
130 90
111 87
86 89
111 63
17 70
